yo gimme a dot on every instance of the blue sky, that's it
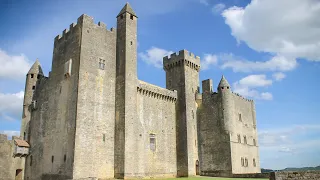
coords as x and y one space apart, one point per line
268 50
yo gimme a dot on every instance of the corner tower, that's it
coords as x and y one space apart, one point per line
34 74
126 86
226 100
182 74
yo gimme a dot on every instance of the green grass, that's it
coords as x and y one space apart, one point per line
215 178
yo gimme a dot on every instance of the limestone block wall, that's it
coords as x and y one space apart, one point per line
94 136
243 137
156 119
290 175
9 164
214 145
52 124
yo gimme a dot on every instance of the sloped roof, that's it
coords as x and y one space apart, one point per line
127 8
36 68
21 143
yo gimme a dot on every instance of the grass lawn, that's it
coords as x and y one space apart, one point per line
215 178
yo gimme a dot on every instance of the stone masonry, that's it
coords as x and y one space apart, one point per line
92 118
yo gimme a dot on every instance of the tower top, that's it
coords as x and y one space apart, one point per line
36 68
127 8
223 82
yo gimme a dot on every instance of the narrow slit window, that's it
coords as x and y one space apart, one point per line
65 158
52 159
254 142
33 87
153 142
104 138
31 75
102 64
239 138
254 162
31 160
242 162
240 118
245 139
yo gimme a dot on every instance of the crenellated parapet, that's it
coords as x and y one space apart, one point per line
156 92
182 58
82 20
237 95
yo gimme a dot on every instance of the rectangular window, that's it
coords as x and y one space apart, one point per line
101 63
153 142
254 162
240 118
239 138
31 75
104 138
52 159
254 142
33 87
245 139
242 162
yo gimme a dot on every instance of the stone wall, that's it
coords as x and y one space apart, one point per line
156 119
290 175
8 163
243 137
94 137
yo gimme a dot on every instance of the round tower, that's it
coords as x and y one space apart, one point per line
227 104
34 74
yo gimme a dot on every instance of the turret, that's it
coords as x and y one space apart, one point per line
35 73
226 96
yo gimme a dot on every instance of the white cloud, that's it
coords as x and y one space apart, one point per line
208 60
13 67
205 2
278 76
10 133
288 28
218 8
276 63
11 106
258 80
247 87
154 56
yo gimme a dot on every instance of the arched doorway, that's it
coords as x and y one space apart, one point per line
197 168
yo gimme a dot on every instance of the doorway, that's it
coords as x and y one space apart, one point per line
197 168
18 174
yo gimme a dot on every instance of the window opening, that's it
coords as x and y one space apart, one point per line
31 160
101 64
254 142
242 162
52 159
254 162
245 139
131 17
104 138
33 87
31 75
65 158
153 142
239 138
240 118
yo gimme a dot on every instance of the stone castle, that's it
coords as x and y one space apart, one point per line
92 118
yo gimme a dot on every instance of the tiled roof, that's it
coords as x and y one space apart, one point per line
21 143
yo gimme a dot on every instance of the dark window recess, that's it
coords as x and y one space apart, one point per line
222 87
121 16
31 75
33 87
254 162
104 138
254 142
24 136
31 160
245 139
38 76
131 17
153 142
131 42
65 158
102 64
52 159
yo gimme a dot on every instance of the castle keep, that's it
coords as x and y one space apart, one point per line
92 116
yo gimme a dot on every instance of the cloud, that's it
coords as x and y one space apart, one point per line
11 106
287 28
276 63
154 56
278 76
10 133
13 67
247 87
205 2
218 8
208 60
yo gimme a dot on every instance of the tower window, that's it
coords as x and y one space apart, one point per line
245 139
192 114
104 138
246 162
242 162
31 75
153 142
121 17
131 17
254 142
52 159
65 158
33 87
31 160
131 42
38 76
239 138
101 64
24 136
254 162
240 118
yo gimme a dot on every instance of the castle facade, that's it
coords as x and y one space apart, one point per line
92 116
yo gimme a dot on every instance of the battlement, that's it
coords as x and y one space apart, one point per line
241 97
83 19
184 57
156 92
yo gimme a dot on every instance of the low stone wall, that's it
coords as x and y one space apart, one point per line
256 175
290 175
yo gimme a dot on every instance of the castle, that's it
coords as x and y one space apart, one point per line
92 117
